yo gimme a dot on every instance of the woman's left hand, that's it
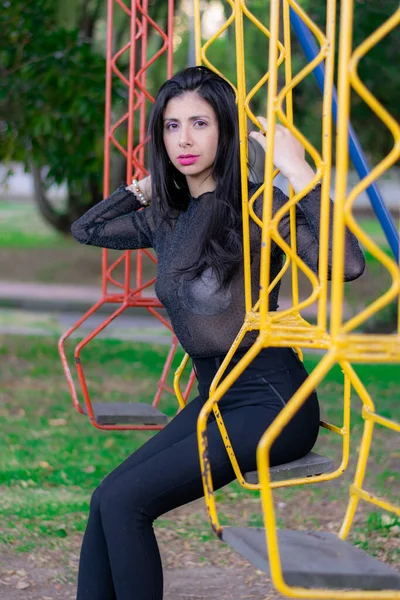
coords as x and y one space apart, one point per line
289 155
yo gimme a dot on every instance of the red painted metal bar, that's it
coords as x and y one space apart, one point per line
138 98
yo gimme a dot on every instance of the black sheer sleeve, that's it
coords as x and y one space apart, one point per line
115 223
308 214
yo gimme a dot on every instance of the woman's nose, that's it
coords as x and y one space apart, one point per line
184 139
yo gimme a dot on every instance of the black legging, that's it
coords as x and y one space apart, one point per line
120 557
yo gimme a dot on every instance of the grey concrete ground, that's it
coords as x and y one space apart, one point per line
28 308
43 309
48 309
130 327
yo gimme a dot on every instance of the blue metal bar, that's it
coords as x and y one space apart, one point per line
310 49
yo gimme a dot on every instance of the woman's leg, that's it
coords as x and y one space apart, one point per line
165 473
95 577
131 500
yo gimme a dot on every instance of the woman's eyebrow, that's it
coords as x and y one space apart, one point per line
194 118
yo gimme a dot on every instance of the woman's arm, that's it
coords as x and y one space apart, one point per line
144 186
289 157
115 223
308 215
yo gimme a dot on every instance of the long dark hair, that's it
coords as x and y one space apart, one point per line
221 246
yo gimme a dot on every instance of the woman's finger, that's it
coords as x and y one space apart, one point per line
263 122
259 138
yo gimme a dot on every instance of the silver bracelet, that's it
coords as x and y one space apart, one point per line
139 194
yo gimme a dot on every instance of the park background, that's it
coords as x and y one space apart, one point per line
52 66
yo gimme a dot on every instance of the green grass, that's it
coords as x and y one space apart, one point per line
372 227
51 458
21 226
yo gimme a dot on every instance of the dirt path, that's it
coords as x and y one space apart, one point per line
194 568
48 576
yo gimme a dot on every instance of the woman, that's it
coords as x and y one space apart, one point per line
195 229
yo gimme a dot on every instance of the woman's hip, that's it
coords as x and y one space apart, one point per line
272 377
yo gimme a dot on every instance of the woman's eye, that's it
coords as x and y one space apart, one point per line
171 126
200 123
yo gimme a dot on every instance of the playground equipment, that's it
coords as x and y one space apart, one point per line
308 564
356 153
125 293
320 561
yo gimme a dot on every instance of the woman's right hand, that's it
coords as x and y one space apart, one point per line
145 187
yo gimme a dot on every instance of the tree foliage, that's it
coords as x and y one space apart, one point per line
52 103
52 69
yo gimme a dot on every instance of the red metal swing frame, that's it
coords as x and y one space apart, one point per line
126 296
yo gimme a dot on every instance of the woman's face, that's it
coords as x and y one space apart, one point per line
190 133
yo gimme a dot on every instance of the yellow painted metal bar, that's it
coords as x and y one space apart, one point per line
264 79
388 423
231 454
356 491
268 171
358 386
241 95
215 395
263 464
268 510
202 431
308 146
327 143
387 162
373 499
218 417
324 51
270 232
197 30
364 447
177 379
227 359
331 427
358 478
287 328
344 431
240 53
203 50
345 39
279 276
252 200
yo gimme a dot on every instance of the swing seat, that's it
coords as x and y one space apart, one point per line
314 559
307 466
124 413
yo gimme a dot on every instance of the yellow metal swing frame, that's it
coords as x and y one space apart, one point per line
287 328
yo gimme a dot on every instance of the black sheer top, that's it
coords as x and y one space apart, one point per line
205 316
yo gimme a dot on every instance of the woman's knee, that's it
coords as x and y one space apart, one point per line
102 496
124 495
95 500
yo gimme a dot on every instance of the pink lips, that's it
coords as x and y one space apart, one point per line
187 159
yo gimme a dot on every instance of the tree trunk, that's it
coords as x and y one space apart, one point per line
61 222
75 207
